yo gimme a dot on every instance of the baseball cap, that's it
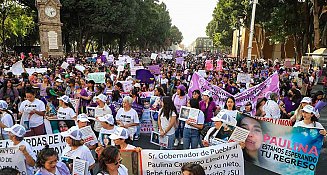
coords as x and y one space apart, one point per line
181 87
107 118
101 97
64 98
225 118
83 118
306 100
73 133
207 93
120 133
17 130
3 105
309 109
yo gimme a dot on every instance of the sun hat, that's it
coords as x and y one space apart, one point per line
207 93
73 133
83 118
64 98
120 133
17 130
107 118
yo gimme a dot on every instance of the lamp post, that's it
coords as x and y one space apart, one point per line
239 25
254 3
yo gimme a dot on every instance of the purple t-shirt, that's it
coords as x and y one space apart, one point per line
179 102
208 113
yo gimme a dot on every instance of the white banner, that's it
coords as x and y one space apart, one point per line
221 159
12 157
37 143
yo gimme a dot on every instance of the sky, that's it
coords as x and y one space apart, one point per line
191 17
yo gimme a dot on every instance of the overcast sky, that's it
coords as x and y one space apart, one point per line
191 17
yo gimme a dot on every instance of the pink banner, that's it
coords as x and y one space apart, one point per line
220 96
209 65
220 65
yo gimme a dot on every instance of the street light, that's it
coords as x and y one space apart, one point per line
254 3
239 25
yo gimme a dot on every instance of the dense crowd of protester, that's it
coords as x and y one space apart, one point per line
30 99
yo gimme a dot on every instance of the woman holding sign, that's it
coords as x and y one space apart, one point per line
191 135
167 120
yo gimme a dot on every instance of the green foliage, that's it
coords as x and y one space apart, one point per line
176 36
225 17
15 22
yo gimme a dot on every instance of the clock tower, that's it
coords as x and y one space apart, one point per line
50 27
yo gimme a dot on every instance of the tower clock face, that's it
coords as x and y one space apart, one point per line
50 11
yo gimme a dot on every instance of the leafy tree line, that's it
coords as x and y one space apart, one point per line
101 24
301 21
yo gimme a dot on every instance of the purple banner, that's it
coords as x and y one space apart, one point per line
154 69
179 60
220 96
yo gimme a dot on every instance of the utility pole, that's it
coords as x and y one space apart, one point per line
254 3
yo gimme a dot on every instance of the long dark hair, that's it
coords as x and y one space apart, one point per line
5 86
108 155
168 107
161 91
194 169
231 97
44 154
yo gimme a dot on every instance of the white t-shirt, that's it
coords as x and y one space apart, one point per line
122 170
6 119
65 113
100 112
129 147
26 107
165 122
200 121
128 117
311 125
104 136
81 152
163 81
29 149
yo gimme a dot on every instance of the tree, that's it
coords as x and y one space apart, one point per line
15 22
225 15
176 36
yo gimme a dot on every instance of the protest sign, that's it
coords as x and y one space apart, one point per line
158 140
131 160
80 167
179 53
154 69
220 159
220 65
209 65
154 56
127 85
97 77
12 157
61 125
220 96
144 76
64 65
281 149
305 62
80 67
229 133
187 112
243 78
37 143
75 103
284 122
17 68
90 111
135 68
202 73
70 60
88 134
180 60
111 58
